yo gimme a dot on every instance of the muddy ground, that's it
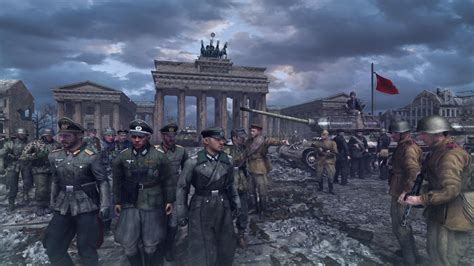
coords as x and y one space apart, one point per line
303 227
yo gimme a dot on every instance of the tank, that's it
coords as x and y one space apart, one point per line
348 122
301 152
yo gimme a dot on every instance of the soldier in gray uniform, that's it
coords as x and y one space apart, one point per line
177 155
36 153
11 152
211 236
79 194
143 194
109 151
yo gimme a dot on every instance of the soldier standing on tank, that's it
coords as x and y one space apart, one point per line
144 192
258 166
176 155
342 158
11 151
406 164
448 194
109 151
325 160
358 147
211 236
36 153
122 139
239 157
383 142
79 195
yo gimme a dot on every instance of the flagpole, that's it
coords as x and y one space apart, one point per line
372 84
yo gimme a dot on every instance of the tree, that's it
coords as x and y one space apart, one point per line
45 117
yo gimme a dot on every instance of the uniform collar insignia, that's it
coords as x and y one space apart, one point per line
129 161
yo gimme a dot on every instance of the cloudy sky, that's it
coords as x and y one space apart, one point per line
311 49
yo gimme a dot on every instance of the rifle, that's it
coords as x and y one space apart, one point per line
414 191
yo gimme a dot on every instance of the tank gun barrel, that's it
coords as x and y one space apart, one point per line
310 122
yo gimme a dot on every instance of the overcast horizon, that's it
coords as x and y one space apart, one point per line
311 49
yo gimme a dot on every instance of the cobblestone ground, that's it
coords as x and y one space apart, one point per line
303 227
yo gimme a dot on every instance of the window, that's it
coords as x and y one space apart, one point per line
448 112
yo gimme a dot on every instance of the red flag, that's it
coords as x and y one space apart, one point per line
385 85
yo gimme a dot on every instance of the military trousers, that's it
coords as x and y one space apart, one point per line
258 184
61 231
243 218
444 246
404 234
341 169
211 236
138 226
325 172
12 184
357 166
42 188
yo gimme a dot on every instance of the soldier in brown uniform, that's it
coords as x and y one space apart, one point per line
406 164
259 165
447 194
325 160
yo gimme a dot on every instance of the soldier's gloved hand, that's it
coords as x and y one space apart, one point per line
236 213
104 212
183 222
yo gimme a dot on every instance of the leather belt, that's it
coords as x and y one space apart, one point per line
72 188
149 185
208 193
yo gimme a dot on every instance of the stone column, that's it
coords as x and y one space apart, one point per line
201 111
236 103
223 112
217 109
98 117
262 105
60 109
159 112
245 115
116 116
77 116
181 109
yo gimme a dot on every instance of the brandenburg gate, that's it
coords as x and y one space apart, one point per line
211 75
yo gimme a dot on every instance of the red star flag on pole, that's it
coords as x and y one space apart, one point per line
385 85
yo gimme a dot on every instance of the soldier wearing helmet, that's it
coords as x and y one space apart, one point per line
11 151
406 164
383 142
448 194
325 161
36 154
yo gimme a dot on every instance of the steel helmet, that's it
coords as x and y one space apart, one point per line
46 131
399 127
433 124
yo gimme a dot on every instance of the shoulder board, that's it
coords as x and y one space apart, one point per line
89 152
56 150
179 146
158 148
194 157
126 149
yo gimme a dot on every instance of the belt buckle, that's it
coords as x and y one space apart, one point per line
214 193
141 187
69 189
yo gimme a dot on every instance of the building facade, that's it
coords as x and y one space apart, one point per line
16 107
95 106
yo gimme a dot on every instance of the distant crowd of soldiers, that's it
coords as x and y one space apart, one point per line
87 182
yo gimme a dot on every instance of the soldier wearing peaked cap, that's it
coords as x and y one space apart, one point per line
144 192
11 151
80 193
176 155
448 196
36 153
211 236
259 165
